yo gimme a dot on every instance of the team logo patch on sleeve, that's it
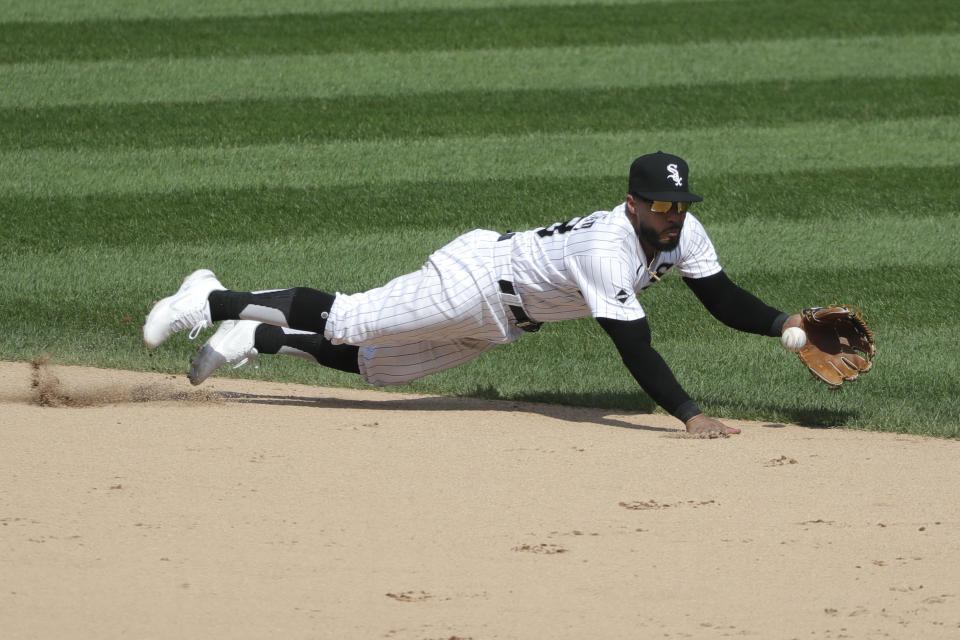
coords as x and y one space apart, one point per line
622 296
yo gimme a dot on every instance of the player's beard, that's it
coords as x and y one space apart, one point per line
653 238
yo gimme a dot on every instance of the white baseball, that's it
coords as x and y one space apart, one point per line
793 339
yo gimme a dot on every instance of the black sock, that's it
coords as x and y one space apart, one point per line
343 357
298 308
268 339
227 305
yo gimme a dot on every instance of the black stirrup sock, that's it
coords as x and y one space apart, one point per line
298 308
343 357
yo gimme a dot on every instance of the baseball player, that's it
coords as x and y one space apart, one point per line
486 288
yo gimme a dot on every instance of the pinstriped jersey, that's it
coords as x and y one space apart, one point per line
595 266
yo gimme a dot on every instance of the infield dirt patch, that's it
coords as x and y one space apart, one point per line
134 505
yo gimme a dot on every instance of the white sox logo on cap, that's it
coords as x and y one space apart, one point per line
674 175
660 177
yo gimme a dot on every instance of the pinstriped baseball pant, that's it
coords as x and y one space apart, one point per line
434 319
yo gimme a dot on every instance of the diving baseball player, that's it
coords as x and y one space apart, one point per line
486 288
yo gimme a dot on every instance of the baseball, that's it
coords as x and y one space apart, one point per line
793 339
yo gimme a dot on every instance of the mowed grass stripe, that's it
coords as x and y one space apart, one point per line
469 28
326 76
927 142
878 288
787 203
314 120
61 11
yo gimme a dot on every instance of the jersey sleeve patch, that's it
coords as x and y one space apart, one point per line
607 287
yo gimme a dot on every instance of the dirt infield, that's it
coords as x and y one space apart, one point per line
133 505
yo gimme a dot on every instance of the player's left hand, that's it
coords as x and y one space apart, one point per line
703 426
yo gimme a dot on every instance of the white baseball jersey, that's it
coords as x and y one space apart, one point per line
594 266
453 308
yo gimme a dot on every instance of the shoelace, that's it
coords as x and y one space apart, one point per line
243 362
197 321
195 332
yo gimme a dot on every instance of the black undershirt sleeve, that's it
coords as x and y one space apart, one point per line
736 307
632 339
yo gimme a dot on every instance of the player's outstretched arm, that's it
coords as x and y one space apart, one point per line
736 307
632 339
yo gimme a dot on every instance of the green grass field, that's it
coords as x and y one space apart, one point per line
335 144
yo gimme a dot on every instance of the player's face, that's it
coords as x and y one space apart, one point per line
661 231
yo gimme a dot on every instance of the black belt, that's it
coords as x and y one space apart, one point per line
523 320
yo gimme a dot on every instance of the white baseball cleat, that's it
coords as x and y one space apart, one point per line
233 342
188 308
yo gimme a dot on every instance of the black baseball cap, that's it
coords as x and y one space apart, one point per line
661 176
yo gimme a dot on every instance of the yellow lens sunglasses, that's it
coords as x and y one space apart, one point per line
663 206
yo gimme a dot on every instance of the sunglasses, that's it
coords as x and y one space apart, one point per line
663 206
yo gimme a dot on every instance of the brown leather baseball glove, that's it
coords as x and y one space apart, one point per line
839 344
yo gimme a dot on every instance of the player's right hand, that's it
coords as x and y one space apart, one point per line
703 426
